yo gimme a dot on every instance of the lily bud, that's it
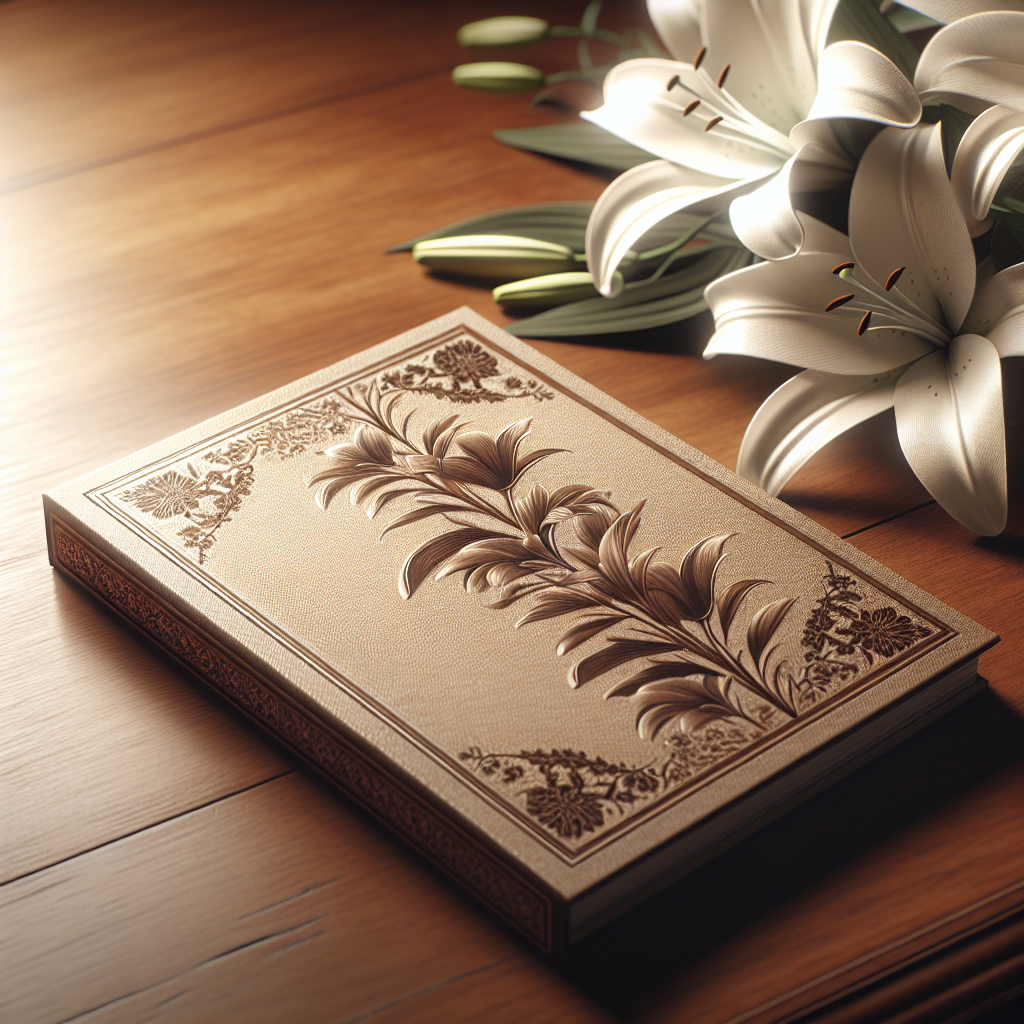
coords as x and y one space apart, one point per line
507 31
546 291
498 76
494 257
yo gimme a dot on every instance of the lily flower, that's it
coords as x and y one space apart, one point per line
723 122
887 317
768 136
977 60
988 149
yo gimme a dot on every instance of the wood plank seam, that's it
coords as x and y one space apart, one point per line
146 828
888 519
43 177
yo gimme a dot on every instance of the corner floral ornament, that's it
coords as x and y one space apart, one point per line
892 316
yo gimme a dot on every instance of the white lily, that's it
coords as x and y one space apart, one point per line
988 149
912 332
976 60
951 10
718 141
781 79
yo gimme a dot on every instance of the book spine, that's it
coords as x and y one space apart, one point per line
527 909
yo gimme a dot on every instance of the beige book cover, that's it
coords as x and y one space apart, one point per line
560 652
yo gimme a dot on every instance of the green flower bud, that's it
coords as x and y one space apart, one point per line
498 76
547 291
494 257
508 31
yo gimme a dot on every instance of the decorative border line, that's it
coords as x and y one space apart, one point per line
100 495
491 881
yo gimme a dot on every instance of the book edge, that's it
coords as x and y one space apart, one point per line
525 906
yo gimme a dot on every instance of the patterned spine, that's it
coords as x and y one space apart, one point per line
517 902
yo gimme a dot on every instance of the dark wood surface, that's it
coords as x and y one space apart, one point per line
196 201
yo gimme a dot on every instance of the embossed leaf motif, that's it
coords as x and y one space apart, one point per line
764 625
494 463
730 601
361 461
692 702
571 551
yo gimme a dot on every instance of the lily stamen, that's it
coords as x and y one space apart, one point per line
711 124
839 268
893 278
699 57
690 107
864 321
913 319
841 301
672 83
720 81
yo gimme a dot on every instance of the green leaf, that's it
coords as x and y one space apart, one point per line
583 142
905 20
641 305
954 123
860 19
1007 245
588 23
561 223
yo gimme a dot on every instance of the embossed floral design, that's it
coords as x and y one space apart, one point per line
465 361
565 790
210 498
883 631
569 812
460 372
573 794
570 550
840 637
167 495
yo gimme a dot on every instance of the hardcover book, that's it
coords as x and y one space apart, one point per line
562 654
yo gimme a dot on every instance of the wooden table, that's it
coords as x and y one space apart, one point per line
198 196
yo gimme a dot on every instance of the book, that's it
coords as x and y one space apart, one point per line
560 653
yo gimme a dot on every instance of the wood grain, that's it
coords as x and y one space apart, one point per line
165 920
198 197
90 83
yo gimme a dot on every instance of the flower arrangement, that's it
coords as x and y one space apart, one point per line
842 200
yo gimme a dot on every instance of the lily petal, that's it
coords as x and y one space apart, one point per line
771 46
802 416
764 220
642 197
903 214
776 310
948 11
640 109
989 146
997 312
976 61
856 80
949 417
679 25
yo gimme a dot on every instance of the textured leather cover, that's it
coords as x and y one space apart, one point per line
535 634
